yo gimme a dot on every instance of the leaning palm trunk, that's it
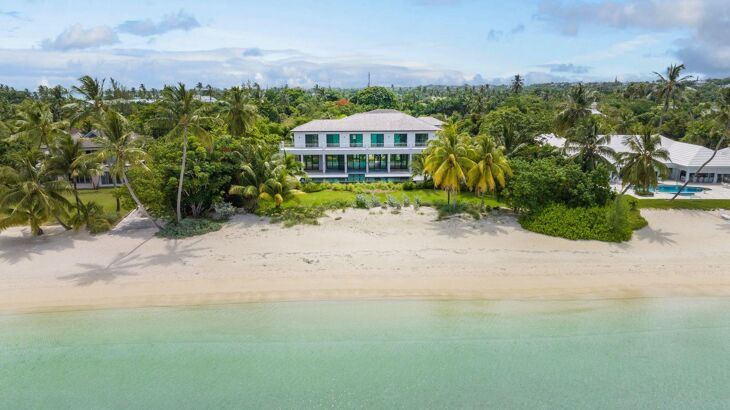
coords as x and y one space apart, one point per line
182 174
717 148
136 200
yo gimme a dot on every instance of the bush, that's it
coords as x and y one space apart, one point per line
416 202
617 218
406 201
374 201
188 227
393 203
222 211
297 215
409 186
445 210
361 201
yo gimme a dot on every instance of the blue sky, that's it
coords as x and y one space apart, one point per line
328 42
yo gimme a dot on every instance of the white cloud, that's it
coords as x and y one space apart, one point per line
77 37
147 27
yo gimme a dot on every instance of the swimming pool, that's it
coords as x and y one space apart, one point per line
673 189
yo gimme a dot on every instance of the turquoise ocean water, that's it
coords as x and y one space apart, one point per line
664 353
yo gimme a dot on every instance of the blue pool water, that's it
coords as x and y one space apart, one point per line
673 189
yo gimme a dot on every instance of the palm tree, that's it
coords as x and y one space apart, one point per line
490 169
93 104
418 165
31 194
240 115
588 147
279 188
640 166
35 123
723 116
517 84
577 107
511 140
65 160
669 88
180 110
117 149
448 160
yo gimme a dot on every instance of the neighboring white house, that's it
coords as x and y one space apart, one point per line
373 146
685 159
91 181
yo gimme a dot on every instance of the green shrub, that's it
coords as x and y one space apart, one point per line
188 227
617 218
416 202
361 201
374 201
298 215
406 201
392 202
457 208
222 211
408 186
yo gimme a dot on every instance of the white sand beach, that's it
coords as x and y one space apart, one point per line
361 254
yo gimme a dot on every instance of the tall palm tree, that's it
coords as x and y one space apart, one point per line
35 123
31 194
240 115
65 160
179 109
511 140
118 150
645 159
723 115
448 160
518 84
93 102
577 107
587 146
670 87
490 169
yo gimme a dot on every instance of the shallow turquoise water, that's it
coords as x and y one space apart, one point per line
373 354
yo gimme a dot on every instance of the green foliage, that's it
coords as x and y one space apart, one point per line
361 201
457 208
299 215
393 202
406 201
188 227
222 211
409 186
376 97
374 201
538 184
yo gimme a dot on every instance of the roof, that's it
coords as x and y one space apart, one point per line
433 121
680 153
377 120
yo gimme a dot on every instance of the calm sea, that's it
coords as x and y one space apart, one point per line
663 353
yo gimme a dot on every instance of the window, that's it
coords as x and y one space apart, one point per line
335 162
377 140
356 162
421 140
400 140
311 140
311 162
378 162
333 140
399 161
356 140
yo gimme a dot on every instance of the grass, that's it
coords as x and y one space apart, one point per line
696 204
102 196
428 197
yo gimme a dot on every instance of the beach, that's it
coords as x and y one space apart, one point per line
361 254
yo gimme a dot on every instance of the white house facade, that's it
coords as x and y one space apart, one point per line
373 146
684 159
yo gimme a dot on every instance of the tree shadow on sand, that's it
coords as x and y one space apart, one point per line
130 264
459 227
652 235
14 249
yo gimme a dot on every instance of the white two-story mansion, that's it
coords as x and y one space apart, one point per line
373 146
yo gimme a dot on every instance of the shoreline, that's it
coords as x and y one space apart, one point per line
361 255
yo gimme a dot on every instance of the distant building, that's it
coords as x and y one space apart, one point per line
373 146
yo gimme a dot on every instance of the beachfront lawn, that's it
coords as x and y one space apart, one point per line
427 197
696 204
102 196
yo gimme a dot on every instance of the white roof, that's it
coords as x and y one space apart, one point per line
433 121
377 120
680 153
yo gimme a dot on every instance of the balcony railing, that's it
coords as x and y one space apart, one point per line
401 144
377 145
311 145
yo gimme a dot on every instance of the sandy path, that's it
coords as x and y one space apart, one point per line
362 255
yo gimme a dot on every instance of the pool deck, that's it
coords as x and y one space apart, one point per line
712 191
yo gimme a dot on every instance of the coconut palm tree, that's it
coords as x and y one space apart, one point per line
723 115
65 160
517 85
670 87
644 161
511 140
181 110
93 102
239 114
118 150
35 123
31 194
280 187
577 107
588 147
490 169
448 160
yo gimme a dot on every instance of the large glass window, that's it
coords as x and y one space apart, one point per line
378 162
421 140
333 140
311 140
335 162
356 162
356 140
400 140
311 162
399 161
377 140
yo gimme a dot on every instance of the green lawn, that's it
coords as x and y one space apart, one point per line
698 204
102 196
329 198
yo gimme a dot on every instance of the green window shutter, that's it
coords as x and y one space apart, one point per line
333 140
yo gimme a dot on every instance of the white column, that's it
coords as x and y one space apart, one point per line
345 156
387 160
367 163
410 160
324 164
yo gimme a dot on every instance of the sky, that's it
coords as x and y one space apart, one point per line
338 42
